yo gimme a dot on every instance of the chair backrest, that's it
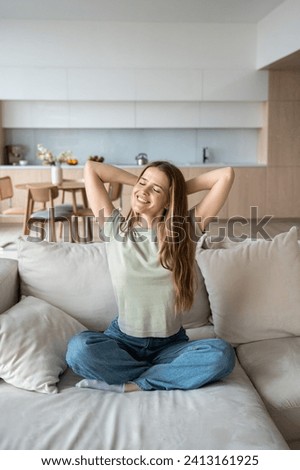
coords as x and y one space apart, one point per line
43 193
6 188
115 191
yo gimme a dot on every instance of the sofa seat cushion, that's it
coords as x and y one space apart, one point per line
274 368
226 415
254 289
75 278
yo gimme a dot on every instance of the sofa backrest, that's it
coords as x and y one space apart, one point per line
9 283
75 278
249 290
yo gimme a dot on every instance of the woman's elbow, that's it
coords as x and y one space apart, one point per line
89 168
229 174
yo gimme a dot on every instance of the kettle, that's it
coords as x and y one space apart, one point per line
142 159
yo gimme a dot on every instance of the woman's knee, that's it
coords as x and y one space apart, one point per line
77 348
226 357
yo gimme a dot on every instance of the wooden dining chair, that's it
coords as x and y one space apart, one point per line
73 191
46 194
6 194
115 193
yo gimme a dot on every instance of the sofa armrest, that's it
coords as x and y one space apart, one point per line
9 283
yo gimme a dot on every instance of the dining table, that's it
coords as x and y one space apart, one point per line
67 186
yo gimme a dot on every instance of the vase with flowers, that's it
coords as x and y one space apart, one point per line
48 158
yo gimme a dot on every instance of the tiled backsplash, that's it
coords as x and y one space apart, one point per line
122 145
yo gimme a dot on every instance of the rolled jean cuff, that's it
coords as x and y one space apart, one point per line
142 387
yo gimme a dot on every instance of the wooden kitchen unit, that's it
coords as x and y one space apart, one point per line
32 174
249 189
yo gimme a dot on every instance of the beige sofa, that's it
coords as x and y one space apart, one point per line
248 294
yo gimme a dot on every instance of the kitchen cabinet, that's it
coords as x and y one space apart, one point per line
131 115
249 189
188 172
235 85
274 191
227 83
283 191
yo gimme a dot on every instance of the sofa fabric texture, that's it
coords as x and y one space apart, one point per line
248 294
9 281
279 383
225 415
72 277
253 289
81 285
33 342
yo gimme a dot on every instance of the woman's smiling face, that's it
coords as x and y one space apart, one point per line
150 195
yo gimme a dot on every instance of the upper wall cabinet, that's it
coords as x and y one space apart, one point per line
132 98
131 114
36 83
198 115
101 84
120 84
235 85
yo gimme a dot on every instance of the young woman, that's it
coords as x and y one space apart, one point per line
151 257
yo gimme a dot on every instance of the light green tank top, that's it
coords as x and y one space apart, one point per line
143 288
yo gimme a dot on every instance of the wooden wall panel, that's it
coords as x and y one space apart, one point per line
248 191
284 119
284 133
284 85
283 192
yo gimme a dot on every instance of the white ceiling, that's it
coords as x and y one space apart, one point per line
173 11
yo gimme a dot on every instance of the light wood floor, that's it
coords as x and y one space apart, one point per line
9 233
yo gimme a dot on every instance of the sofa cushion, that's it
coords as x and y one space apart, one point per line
228 414
254 289
274 368
75 278
33 343
9 283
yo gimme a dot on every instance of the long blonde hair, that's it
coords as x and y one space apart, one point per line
176 245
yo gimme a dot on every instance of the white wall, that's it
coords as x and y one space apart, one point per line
85 44
71 60
278 34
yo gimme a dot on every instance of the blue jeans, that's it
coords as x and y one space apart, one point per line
151 363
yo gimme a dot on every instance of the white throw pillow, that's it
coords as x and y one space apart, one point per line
254 289
33 342
8 283
72 276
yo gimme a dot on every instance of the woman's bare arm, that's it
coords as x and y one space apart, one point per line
95 176
219 183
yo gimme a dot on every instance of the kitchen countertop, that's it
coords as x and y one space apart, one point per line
129 165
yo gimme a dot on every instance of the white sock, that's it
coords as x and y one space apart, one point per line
99 385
